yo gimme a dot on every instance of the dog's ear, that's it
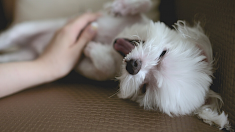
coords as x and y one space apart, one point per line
196 35
211 112
203 53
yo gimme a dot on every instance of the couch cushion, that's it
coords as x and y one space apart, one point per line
82 105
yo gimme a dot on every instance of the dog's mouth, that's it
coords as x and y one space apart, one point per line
125 46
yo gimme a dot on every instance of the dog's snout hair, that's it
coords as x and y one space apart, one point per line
171 70
133 66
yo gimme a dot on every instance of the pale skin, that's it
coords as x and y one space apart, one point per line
57 61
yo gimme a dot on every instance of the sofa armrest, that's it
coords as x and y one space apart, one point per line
218 19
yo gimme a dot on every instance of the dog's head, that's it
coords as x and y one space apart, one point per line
168 70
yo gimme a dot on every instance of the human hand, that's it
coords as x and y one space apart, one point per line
66 48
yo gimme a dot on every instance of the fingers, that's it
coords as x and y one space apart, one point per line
87 17
87 35
78 24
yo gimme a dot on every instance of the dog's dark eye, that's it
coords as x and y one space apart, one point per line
163 53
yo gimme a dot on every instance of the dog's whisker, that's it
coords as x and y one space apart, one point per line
114 94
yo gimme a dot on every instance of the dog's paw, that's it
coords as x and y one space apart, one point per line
130 7
90 48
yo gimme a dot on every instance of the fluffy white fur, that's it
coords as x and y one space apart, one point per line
32 37
176 83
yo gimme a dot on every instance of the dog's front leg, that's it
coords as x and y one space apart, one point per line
23 54
24 33
30 38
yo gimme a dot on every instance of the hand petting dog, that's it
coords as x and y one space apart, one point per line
56 61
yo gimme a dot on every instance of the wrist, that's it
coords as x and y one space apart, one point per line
51 73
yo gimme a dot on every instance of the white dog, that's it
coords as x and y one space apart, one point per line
170 70
163 69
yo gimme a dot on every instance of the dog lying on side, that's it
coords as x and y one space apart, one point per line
163 69
170 70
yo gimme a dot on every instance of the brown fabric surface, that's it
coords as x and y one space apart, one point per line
86 107
218 18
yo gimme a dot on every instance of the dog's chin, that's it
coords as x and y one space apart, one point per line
124 46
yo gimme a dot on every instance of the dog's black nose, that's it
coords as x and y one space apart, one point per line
133 66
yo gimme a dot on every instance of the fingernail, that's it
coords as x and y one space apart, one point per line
94 25
93 28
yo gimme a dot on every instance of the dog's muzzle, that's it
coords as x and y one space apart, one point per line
124 47
133 66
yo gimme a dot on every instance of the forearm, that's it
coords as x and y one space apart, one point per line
56 61
17 76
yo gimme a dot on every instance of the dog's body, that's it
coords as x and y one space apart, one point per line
32 37
163 69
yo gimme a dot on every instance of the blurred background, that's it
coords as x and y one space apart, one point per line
16 11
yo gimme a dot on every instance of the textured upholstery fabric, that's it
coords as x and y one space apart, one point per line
218 18
86 106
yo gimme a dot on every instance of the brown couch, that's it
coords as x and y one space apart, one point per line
78 104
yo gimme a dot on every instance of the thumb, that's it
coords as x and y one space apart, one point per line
86 35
